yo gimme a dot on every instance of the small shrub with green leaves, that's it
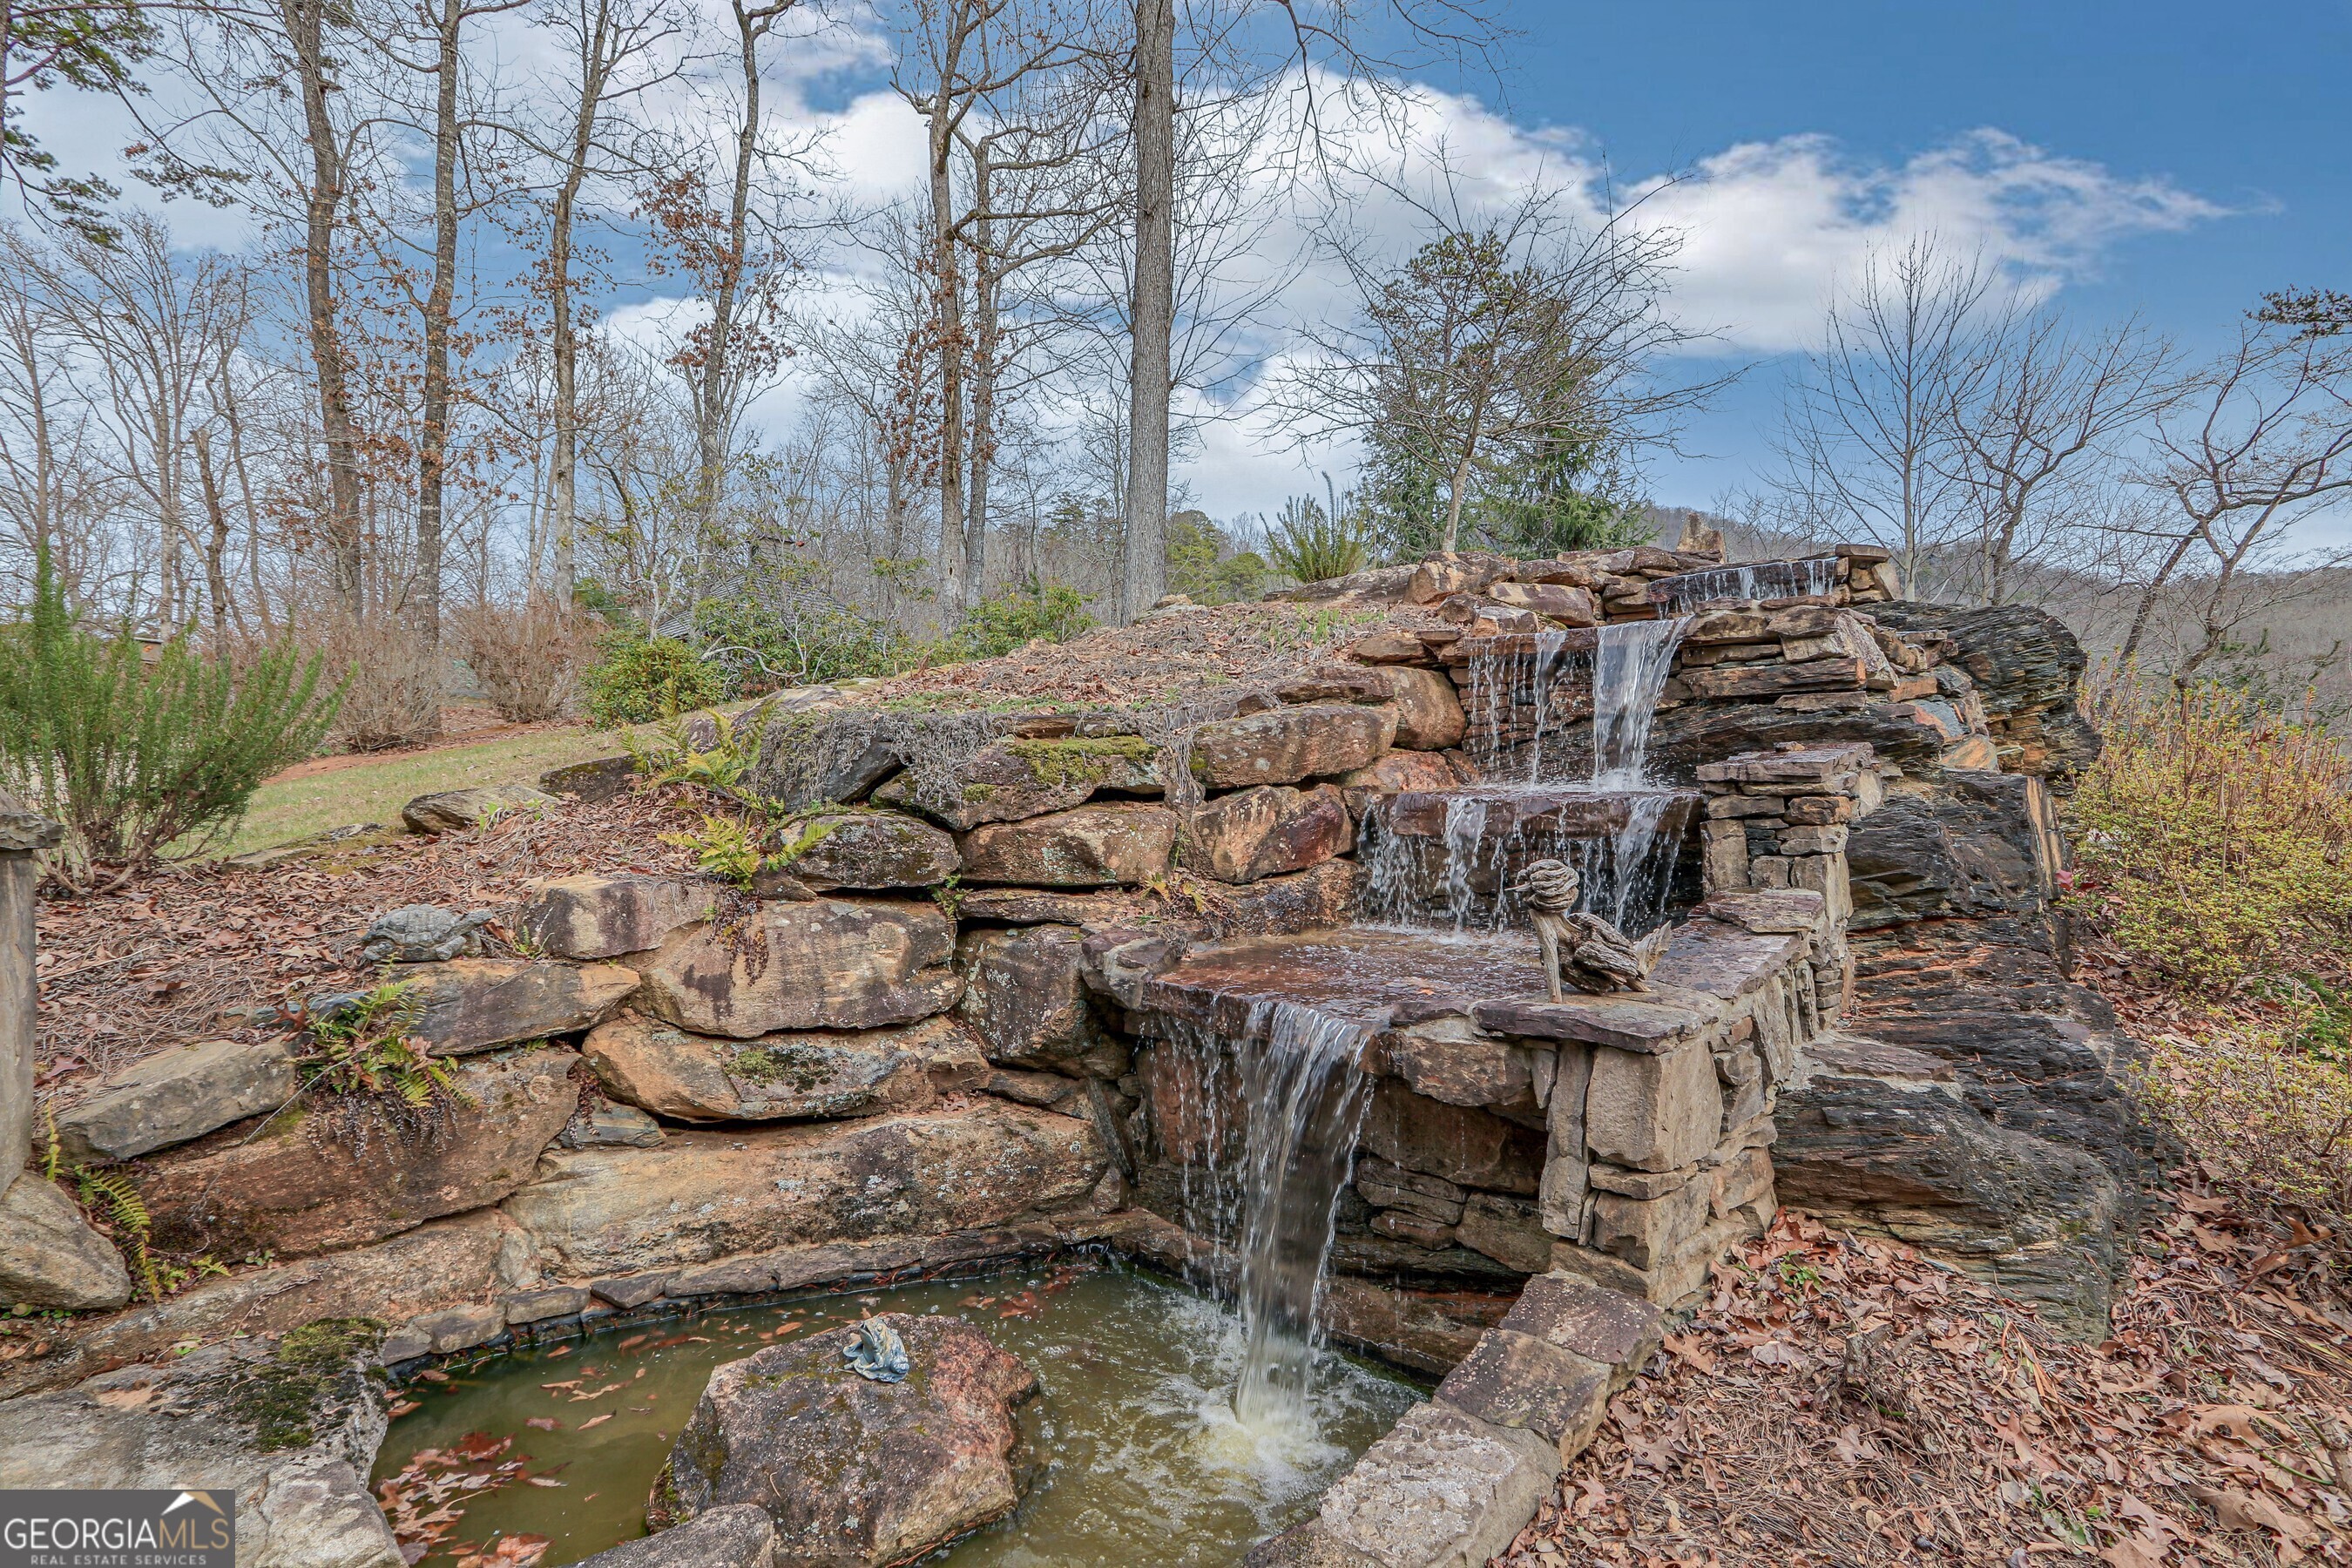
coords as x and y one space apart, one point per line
721 766
2214 839
1016 616
763 649
637 679
135 756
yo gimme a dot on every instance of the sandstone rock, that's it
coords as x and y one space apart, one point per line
788 1075
1646 1024
599 916
1506 1230
1653 1113
598 781
706 1195
336 1172
1334 682
1570 606
1091 846
1119 962
1513 1379
1645 1231
1387 647
50 1256
177 1094
610 1126
834 963
538 1306
1447 1059
1025 994
1285 745
2028 668
1391 1187
874 849
434 1265
1261 832
1012 780
1397 771
1442 576
853 1473
290 1427
1429 714
1616 1329
736 1535
1442 1489
455 810
1468 1147
452 1328
476 1004
812 758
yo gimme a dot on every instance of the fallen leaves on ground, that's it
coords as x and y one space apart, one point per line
1845 1401
219 951
425 1501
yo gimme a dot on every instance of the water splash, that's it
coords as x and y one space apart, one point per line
1289 1075
1814 577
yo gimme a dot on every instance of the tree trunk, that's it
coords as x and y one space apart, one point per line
565 462
306 36
216 536
433 438
957 594
710 414
987 329
1144 572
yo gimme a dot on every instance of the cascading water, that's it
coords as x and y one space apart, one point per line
1815 577
1289 1075
1450 874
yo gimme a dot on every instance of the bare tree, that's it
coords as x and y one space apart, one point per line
2035 416
1869 419
2257 444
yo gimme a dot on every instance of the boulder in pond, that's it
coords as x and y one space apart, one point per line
738 1535
828 963
853 1473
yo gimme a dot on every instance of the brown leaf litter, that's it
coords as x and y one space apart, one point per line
1846 1401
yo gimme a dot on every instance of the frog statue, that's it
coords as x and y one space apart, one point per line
1579 948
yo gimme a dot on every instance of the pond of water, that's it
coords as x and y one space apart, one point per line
1141 1457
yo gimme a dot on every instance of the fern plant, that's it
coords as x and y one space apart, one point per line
363 1047
1313 543
723 768
113 1194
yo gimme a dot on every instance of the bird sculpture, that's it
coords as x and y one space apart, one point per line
1582 950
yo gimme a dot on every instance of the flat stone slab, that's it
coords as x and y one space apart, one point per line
176 1095
1513 1379
1442 1489
1720 961
1630 1022
1377 975
1617 1330
1768 911
1849 1055
1502 810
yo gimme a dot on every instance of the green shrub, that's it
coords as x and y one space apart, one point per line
764 649
1007 620
133 756
1204 566
2215 839
2262 1115
636 679
1312 545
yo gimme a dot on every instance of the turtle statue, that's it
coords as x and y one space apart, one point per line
1583 950
423 933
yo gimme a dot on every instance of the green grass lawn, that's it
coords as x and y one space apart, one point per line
375 790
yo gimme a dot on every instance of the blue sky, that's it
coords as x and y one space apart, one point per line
2246 107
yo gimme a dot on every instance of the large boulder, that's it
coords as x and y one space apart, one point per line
1025 994
2027 668
1091 846
289 1427
705 1196
335 1171
830 964
179 1093
50 1256
605 915
455 810
1284 745
1262 832
786 1075
855 1473
1009 780
479 1003
1429 712
873 849
734 1535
